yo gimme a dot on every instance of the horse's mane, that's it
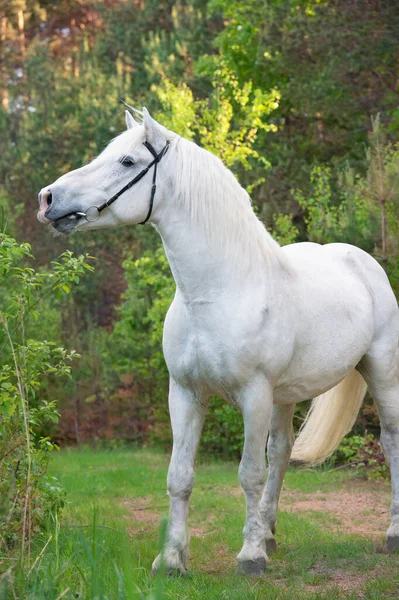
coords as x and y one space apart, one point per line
212 196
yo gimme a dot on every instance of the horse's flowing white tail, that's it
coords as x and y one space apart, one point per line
330 417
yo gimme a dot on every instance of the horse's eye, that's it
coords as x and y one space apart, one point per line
127 161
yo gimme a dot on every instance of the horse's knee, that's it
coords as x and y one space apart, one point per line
180 481
252 477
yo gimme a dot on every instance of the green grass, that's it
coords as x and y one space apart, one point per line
108 535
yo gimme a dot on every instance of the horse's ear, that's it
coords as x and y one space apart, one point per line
130 122
153 131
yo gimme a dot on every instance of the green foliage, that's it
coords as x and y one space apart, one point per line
223 433
363 452
336 215
284 230
382 179
212 122
85 555
132 359
137 335
360 209
27 494
380 187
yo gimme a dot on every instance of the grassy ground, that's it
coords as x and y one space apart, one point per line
108 536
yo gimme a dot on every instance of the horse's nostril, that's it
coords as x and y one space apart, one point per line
48 199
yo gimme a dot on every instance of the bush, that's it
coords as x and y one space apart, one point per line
363 452
223 433
27 494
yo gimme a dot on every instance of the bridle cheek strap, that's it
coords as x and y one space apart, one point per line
93 212
157 158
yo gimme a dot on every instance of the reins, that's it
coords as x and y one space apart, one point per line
93 213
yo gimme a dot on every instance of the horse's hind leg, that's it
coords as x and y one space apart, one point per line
279 446
380 368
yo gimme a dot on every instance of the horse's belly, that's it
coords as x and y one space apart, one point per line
306 388
327 350
317 368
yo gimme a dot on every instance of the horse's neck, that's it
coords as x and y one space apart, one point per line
204 269
212 238
198 272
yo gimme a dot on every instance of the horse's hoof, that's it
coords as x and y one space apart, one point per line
393 543
171 571
177 572
271 546
172 567
252 567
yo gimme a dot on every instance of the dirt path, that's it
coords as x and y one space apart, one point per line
361 508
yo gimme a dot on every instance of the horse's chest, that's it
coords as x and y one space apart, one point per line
203 359
209 351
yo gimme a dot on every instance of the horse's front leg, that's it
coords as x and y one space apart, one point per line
187 412
256 402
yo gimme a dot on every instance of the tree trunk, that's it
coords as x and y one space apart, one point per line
383 232
77 421
4 72
75 48
21 32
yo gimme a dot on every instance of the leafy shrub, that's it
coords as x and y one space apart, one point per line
284 230
223 433
134 366
364 452
337 214
27 493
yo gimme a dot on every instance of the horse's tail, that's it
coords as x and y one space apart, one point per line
330 417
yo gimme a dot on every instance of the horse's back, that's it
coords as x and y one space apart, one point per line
341 261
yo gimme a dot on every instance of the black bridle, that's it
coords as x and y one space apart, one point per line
93 213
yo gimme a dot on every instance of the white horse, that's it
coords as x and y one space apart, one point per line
262 326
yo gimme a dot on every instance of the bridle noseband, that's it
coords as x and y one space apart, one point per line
93 213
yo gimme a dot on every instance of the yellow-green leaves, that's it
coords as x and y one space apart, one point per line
228 122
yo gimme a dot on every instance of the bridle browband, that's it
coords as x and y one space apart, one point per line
93 213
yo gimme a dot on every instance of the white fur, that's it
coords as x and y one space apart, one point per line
262 326
322 431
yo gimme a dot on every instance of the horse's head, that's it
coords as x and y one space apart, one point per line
99 194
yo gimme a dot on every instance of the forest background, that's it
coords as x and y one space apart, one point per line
299 98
